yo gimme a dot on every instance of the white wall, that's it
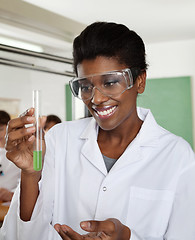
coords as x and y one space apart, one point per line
173 59
17 83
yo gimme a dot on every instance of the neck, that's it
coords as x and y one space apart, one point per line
123 134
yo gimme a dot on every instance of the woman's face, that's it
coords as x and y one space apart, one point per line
109 112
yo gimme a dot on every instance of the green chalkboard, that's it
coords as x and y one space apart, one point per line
171 104
68 103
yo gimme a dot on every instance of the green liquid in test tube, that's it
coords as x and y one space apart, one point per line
37 147
37 160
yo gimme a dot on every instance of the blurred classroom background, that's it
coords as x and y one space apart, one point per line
36 53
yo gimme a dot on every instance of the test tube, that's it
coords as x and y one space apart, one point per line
37 147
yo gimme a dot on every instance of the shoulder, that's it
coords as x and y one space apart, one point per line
174 140
178 150
76 126
64 129
171 147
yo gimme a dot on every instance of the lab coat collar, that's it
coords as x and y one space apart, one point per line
147 136
150 131
90 149
91 131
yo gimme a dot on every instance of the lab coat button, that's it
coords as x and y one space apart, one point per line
104 189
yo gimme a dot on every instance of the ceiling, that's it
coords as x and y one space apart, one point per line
54 24
154 20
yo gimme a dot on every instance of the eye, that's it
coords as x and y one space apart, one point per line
110 82
86 88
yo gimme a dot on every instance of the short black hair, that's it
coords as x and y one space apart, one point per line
110 40
53 118
4 117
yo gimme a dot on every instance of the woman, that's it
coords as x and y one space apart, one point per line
120 171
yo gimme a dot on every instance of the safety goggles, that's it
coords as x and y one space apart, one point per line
110 84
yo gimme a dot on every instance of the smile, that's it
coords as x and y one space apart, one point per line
106 113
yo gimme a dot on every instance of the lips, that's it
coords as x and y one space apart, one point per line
105 112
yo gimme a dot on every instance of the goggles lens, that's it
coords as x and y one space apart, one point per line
110 84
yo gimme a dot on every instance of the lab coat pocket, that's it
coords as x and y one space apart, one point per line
149 211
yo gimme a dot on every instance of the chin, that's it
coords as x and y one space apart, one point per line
107 126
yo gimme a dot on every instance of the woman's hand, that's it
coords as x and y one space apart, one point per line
110 229
20 139
19 146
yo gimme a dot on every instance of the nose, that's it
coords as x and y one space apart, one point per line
98 97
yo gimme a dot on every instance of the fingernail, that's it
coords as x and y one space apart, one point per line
31 138
29 125
30 129
86 225
64 229
30 119
57 228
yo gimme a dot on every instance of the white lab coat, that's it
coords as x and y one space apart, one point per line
151 188
11 174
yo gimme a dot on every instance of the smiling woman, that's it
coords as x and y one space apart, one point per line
117 175
102 100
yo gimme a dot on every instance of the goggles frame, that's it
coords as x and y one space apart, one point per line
125 72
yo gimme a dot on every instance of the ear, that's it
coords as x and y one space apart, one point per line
141 82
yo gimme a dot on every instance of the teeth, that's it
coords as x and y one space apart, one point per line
106 112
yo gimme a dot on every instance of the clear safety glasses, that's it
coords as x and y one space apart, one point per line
110 84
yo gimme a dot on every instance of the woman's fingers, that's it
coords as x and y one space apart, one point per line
107 226
67 233
19 136
111 228
24 118
13 152
61 232
20 122
17 132
20 133
28 112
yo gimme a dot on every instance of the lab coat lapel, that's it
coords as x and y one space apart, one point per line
90 149
145 142
150 130
131 155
